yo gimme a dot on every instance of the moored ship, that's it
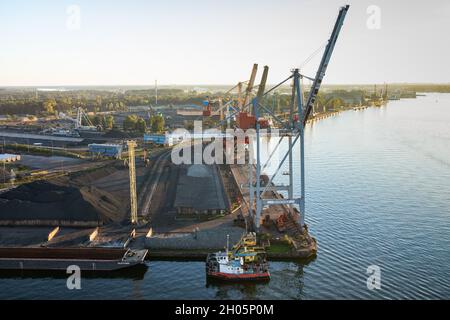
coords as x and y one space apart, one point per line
245 261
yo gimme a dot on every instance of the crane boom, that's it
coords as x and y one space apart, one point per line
262 85
324 63
250 84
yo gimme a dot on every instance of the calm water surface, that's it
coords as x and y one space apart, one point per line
378 193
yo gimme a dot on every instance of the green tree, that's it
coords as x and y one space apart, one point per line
49 106
336 103
129 124
108 122
157 123
141 125
134 123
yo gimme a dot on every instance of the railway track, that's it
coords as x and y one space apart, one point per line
148 189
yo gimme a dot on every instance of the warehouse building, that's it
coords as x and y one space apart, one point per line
106 150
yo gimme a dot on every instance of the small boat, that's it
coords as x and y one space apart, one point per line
245 262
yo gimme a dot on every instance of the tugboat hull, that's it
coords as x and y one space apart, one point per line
240 277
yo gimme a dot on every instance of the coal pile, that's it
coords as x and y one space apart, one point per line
4 175
200 189
42 201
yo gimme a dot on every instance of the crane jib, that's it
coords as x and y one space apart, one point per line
324 62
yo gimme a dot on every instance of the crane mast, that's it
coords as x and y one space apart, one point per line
132 171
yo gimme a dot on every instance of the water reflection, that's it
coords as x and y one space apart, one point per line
226 290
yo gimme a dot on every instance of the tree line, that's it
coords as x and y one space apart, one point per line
133 123
24 102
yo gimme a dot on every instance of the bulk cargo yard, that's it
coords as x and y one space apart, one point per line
109 195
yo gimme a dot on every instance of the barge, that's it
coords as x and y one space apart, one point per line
87 259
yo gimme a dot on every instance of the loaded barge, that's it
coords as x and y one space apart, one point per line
87 259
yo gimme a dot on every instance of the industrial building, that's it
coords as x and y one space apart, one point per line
106 150
159 139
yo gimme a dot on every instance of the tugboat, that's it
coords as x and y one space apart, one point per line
245 261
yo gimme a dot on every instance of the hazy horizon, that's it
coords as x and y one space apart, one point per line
199 85
210 43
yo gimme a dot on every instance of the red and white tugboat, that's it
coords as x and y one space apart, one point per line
245 261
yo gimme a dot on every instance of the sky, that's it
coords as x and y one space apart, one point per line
134 42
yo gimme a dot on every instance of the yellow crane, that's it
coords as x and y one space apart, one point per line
132 166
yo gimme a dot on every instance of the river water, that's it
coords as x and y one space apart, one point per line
378 193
